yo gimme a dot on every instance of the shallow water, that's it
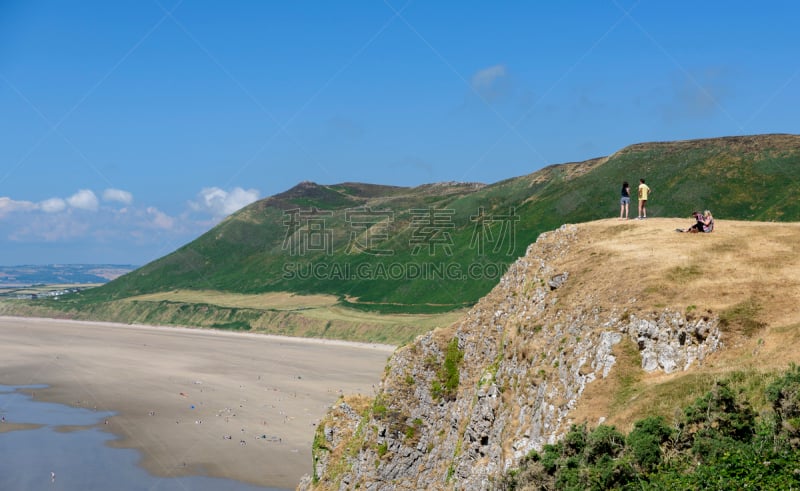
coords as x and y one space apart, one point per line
79 458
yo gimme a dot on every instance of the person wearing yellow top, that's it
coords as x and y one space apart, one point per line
644 192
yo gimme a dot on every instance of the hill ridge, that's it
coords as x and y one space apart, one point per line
365 244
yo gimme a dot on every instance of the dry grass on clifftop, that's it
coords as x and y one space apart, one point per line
746 273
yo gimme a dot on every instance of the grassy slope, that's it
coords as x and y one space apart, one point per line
749 178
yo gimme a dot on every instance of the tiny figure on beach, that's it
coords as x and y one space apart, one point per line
624 200
52 476
644 193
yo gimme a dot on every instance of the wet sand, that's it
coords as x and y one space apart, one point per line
232 405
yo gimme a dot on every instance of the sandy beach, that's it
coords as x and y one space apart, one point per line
233 405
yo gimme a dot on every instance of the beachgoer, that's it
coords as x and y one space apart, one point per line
624 201
644 193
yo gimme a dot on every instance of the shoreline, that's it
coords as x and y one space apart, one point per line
241 406
221 332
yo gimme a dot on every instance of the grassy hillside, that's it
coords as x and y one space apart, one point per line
430 249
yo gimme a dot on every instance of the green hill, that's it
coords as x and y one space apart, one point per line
411 249
432 249
426 248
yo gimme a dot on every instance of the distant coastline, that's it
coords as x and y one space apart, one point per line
25 275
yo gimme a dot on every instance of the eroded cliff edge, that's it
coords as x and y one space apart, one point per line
460 406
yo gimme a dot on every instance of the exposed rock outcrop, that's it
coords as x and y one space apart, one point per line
460 406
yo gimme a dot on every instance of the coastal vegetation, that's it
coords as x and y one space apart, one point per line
313 316
730 438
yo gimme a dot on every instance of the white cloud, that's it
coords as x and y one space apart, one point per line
118 195
160 219
485 79
8 205
492 85
220 203
53 205
83 200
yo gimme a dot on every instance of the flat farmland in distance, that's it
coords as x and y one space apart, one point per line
320 309
272 300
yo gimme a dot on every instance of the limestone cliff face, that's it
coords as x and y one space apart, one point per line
460 406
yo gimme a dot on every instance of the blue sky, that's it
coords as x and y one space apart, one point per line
129 128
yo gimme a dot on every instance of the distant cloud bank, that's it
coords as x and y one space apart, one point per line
113 217
53 205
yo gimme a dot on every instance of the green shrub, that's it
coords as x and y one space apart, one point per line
604 441
445 386
645 440
436 390
784 395
718 442
382 449
452 359
714 421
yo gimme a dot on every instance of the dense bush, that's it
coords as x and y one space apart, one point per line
445 386
784 395
645 440
718 442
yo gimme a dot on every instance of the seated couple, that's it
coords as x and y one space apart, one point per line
704 223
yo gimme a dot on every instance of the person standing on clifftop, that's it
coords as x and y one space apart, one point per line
644 192
624 201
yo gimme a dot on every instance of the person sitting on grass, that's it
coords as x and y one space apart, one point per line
704 222
708 222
